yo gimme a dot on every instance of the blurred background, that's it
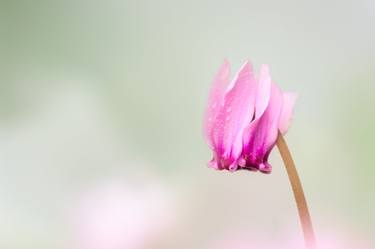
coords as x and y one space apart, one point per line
101 106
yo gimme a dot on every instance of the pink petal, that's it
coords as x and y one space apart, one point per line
236 113
263 131
268 125
263 91
287 111
215 99
262 98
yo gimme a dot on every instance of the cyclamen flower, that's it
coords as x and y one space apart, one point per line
243 118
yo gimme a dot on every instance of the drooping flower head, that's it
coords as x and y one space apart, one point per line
243 118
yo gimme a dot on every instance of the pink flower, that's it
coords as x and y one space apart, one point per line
243 118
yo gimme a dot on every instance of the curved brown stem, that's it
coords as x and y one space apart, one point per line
299 196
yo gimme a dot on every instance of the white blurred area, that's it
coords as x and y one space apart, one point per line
328 240
115 215
68 182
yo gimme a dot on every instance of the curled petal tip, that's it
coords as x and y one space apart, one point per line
233 167
213 164
242 162
247 64
265 68
265 168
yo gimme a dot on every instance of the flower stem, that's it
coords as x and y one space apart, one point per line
299 196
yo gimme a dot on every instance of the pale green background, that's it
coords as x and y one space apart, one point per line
95 89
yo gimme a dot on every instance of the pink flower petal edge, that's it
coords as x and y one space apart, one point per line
235 112
287 111
215 100
263 135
